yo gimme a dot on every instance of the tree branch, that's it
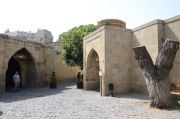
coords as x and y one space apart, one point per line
145 62
166 57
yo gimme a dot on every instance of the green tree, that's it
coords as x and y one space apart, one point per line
72 44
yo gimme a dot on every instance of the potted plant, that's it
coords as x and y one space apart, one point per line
53 82
79 80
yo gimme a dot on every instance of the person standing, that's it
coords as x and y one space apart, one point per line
16 80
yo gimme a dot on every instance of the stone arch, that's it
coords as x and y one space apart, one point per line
18 49
23 62
92 71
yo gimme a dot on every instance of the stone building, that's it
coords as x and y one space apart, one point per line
35 61
20 34
109 49
42 35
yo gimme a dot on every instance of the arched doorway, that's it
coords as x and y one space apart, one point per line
13 66
92 71
23 62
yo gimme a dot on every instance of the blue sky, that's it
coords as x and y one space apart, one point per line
59 16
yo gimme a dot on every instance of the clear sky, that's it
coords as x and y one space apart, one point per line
59 16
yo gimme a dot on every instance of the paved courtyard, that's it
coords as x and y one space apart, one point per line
67 102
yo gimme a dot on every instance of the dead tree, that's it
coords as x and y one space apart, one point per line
156 76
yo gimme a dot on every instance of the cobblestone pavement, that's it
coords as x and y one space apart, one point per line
67 102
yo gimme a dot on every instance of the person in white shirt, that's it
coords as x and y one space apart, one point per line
16 80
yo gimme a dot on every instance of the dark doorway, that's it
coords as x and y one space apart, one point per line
93 71
13 66
23 62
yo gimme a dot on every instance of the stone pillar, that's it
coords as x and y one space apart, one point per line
2 80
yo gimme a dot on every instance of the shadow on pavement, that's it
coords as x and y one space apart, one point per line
25 94
133 95
1 113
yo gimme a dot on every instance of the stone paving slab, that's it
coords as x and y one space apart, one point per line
67 102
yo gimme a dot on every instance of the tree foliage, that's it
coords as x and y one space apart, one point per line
72 44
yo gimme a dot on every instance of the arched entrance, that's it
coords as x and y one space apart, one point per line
23 62
92 71
13 66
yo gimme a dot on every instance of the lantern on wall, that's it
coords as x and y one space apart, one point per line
100 74
20 57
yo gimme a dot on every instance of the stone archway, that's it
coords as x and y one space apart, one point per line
23 62
92 71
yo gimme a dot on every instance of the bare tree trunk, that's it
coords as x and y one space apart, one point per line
156 76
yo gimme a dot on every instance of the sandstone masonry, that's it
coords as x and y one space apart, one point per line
112 43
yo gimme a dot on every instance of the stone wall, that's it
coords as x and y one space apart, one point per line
114 44
63 71
42 57
118 59
152 35
172 31
49 64
145 35
94 42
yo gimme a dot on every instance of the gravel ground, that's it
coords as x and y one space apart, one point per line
67 102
